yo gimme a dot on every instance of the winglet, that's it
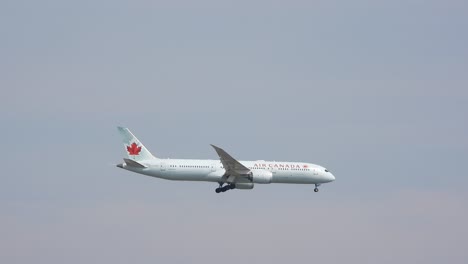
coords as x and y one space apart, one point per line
218 149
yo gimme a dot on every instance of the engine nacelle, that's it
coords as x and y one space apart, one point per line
244 185
261 176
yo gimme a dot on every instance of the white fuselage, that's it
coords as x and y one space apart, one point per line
213 171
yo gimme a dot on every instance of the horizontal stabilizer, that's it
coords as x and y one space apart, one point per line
132 163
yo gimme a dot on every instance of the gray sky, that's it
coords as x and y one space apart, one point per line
376 91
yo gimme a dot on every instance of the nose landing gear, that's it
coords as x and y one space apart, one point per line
316 187
225 188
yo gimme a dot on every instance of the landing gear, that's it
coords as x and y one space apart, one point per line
316 187
225 188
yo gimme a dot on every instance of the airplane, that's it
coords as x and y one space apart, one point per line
227 171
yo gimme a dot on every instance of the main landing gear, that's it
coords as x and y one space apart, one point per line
316 187
225 188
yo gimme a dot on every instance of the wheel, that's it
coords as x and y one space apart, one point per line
316 190
218 190
232 186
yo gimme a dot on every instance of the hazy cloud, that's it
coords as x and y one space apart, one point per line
373 90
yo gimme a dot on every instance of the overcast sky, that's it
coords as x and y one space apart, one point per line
376 91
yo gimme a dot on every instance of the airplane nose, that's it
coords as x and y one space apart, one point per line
331 177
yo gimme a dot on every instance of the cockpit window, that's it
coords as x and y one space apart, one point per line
327 170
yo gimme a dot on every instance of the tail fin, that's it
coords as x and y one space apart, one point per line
135 150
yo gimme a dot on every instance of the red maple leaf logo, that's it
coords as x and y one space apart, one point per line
133 149
306 166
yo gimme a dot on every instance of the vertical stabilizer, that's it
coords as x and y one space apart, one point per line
135 150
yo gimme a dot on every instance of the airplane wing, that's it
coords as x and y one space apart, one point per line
232 166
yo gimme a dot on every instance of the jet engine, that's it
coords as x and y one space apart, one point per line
261 176
244 185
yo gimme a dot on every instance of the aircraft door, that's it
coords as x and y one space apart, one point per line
213 166
163 166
